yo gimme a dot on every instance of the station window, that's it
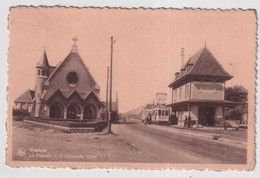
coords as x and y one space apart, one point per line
187 91
215 91
159 112
175 95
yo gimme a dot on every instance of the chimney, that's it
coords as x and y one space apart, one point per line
182 57
177 74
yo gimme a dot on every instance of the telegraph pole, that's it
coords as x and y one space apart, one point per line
107 95
110 91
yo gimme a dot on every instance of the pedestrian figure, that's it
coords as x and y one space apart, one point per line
185 121
146 120
124 119
171 118
189 121
225 125
149 119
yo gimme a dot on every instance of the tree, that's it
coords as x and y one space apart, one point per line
239 94
236 93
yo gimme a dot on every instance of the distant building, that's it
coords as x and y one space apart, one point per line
161 98
67 91
114 106
198 90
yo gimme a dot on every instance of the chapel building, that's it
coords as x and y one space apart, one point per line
67 91
198 90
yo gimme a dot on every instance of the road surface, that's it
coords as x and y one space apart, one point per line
163 147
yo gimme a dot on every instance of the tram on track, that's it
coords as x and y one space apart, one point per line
160 113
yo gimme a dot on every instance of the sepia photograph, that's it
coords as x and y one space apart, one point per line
131 88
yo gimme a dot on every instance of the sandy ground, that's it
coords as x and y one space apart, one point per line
38 143
132 142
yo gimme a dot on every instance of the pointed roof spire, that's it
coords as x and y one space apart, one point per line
43 63
74 48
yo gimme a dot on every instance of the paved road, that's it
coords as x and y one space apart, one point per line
178 148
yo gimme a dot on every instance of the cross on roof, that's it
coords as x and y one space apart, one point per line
75 39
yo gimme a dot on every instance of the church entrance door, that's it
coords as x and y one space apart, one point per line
55 111
72 112
207 116
90 112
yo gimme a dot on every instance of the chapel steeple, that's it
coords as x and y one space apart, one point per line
43 63
42 73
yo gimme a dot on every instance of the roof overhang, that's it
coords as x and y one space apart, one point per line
177 83
224 103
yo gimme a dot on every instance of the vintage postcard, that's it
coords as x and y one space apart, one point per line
131 88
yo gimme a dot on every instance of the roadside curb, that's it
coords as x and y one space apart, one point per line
204 136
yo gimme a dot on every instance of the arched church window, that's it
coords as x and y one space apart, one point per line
72 78
39 72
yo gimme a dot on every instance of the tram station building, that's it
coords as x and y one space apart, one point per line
198 90
67 91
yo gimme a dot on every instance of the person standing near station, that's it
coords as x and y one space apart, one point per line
185 121
189 121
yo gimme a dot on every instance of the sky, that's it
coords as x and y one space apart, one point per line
146 52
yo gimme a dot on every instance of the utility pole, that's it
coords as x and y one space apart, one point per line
116 103
107 95
110 91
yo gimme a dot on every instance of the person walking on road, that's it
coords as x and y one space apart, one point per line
189 121
185 121
146 120
149 118
124 119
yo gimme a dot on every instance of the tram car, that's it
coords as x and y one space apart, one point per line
160 114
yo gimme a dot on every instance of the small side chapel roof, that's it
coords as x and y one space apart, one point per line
26 97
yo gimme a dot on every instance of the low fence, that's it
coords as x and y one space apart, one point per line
69 125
